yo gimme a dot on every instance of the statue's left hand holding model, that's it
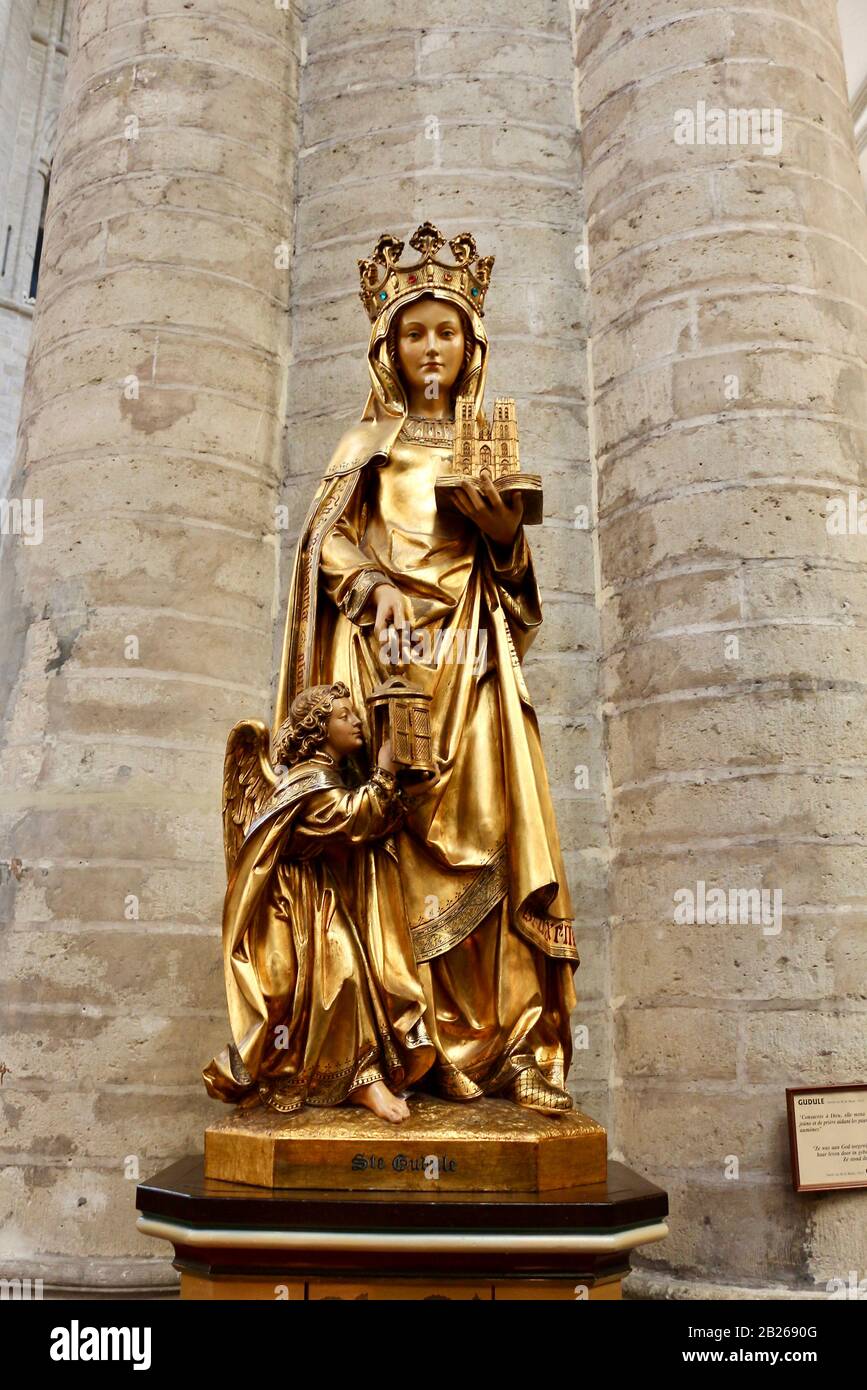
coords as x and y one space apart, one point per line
325 1004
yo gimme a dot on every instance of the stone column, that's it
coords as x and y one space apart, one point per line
437 112
729 290
32 70
16 21
137 625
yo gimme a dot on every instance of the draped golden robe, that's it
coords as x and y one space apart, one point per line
479 855
322 986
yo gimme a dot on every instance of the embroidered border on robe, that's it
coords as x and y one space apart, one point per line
553 935
318 780
432 937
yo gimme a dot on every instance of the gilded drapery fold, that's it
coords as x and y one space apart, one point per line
321 980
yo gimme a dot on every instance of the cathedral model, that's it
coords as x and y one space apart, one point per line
479 445
494 447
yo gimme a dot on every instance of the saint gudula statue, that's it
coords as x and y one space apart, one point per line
387 576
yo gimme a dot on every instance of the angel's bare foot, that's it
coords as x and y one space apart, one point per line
378 1098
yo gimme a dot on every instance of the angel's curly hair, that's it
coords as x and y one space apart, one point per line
306 729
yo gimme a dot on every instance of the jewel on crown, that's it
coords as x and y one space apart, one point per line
383 281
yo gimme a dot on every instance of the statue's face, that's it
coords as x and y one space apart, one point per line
343 730
430 345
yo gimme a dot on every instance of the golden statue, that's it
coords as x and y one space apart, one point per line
325 1004
461 914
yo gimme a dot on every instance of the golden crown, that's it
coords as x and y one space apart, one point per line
383 281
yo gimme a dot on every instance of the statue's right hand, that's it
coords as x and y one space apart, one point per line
393 610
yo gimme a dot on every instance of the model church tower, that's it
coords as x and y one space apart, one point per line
494 447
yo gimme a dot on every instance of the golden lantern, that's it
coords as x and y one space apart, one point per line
400 711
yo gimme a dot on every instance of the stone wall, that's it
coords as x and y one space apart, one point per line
33 47
729 290
140 628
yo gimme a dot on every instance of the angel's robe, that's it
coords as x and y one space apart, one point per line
479 854
323 993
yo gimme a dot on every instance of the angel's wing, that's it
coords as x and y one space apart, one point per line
248 781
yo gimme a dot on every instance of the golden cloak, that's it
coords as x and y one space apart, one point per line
320 977
479 854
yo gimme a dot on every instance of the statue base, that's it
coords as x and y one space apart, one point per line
233 1241
486 1145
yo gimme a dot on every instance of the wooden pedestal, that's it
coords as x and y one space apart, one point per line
235 1241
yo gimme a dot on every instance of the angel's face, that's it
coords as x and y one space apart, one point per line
343 731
